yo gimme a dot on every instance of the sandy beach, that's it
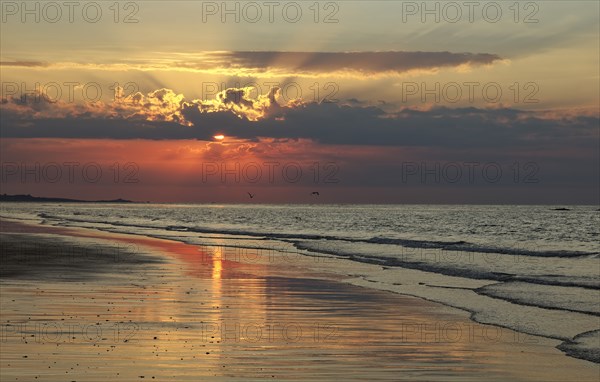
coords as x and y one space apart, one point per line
86 305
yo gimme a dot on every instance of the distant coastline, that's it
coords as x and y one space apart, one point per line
35 199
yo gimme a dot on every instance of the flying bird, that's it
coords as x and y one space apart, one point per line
315 193
250 195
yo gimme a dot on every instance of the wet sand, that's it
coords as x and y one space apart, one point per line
140 308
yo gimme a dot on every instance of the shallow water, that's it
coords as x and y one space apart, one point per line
196 316
540 264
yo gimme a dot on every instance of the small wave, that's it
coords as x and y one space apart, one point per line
569 298
583 346
459 245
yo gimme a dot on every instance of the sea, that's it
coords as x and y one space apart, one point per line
531 268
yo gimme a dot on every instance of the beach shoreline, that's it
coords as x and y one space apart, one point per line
203 315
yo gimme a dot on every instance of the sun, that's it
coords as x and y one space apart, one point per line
219 137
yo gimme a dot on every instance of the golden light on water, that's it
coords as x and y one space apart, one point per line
217 264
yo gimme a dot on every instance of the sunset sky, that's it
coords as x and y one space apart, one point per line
360 101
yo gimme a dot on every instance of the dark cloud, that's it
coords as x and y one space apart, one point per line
165 115
300 63
26 64
363 62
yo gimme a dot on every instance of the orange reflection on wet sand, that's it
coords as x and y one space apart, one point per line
199 316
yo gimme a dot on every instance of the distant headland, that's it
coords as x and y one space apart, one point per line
35 199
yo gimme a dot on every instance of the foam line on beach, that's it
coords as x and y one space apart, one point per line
460 246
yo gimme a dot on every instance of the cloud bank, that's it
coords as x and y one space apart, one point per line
164 114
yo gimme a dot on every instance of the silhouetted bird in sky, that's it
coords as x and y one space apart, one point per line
315 193
250 195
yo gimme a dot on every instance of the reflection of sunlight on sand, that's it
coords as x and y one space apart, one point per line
216 317
232 325
201 315
217 266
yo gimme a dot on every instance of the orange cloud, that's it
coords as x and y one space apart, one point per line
160 105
